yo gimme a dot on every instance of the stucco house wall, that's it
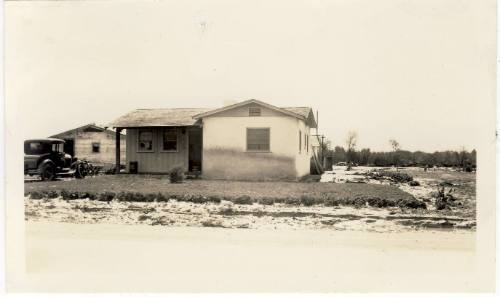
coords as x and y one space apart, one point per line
224 146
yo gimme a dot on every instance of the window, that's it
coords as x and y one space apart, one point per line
57 147
170 140
145 141
307 142
300 141
254 112
96 147
258 139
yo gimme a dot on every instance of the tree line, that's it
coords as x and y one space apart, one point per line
462 158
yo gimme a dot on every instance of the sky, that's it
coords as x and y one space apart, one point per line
412 70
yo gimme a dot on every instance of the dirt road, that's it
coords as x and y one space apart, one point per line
66 257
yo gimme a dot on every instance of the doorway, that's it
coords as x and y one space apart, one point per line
195 149
69 147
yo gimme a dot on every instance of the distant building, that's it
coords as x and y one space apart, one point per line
92 143
248 140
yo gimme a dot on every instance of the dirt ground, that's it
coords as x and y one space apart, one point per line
63 257
227 214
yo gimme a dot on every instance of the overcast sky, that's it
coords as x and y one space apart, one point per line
413 70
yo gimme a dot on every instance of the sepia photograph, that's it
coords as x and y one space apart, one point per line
325 146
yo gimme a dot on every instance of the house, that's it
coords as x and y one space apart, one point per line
92 143
248 140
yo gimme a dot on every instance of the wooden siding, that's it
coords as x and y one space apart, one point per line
157 161
106 155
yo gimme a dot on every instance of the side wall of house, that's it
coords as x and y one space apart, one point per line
303 158
107 150
224 147
157 161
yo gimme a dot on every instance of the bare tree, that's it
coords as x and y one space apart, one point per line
395 145
351 140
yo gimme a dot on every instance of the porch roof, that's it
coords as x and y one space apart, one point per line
158 117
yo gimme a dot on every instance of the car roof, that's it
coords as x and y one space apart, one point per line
49 140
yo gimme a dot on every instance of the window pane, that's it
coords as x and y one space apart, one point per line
170 140
258 139
145 140
95 147
254 111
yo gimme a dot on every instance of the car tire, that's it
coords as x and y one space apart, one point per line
48 172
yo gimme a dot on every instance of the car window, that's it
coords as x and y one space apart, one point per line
57 147
36 148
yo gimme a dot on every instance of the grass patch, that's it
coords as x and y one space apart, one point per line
144 188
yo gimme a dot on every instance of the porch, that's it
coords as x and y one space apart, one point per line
159 149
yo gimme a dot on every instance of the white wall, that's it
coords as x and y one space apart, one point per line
303 159
225 155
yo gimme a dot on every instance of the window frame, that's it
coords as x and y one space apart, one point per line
300 141
139 150
254 109
162 150
98 147
268 144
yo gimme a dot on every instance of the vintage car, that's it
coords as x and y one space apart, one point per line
46 158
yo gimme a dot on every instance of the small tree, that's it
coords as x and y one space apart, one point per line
351 140
395 148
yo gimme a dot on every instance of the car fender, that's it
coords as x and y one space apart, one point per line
46 161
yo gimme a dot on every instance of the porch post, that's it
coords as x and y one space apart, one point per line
117 138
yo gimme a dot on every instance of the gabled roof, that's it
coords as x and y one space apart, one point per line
163 117
303 113
87 128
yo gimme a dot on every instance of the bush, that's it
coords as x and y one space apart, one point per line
162 198
266 201
414 183
307 201
69 195
214 199
176 175
36 195
400 177
245 199
52 194
150 197
106 196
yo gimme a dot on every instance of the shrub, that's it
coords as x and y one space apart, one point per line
292 201
245 199
106 196
150 197
176 175
414 183
36 195
52 194
266 201
197 199
214 199
400 177
69 195
307 201
162 198
65 194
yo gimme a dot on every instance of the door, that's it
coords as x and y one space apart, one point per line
195 147
69 147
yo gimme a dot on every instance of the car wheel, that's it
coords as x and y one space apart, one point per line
48 172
